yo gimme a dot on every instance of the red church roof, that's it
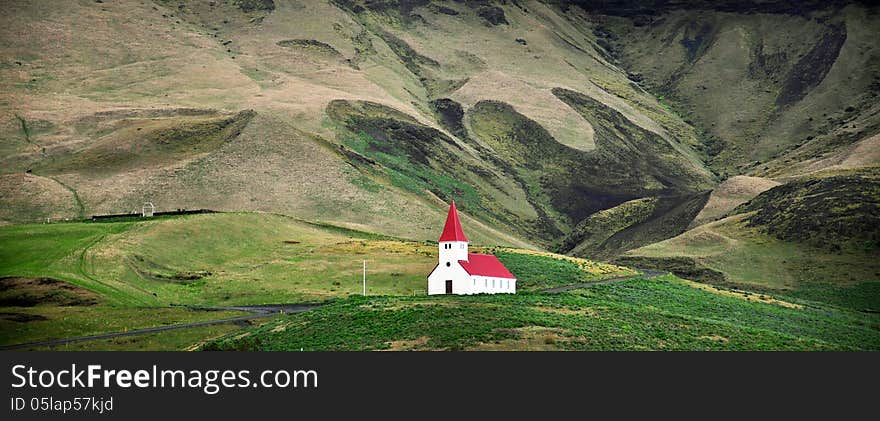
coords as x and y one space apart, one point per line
452 230
485 265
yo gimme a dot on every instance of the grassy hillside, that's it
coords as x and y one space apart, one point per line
596 129
769 86
274 128
106 276
833 211
72 279
123 270
237 106
728 195
662 314
227 259
815 238
783 98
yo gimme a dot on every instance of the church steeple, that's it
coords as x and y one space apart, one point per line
453 243
452 230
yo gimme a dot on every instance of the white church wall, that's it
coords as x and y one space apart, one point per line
465 284
491 285
437 279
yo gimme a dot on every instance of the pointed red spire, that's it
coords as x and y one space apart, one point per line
452 230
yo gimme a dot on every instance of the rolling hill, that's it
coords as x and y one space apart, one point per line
733 142
534 115
125 274
77 278
364 120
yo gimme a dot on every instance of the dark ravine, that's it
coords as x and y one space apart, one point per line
450 115
670 217
563 185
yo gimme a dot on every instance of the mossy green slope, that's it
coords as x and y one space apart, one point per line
142 121
769 83
634 315
242 258
831 211
395 149
511 158
814 237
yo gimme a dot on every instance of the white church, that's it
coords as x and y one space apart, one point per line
460 272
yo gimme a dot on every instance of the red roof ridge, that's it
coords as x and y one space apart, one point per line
452 230
485 265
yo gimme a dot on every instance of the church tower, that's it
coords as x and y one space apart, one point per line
453 243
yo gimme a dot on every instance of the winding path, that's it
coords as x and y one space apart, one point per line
259 311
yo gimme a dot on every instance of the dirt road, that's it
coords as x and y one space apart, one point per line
267 310
259 311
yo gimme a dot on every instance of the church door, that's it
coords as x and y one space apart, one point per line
449 287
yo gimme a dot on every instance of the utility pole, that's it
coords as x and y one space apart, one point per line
365 278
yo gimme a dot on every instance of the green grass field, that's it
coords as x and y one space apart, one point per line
210 260
130 274
121 275
40 323
171 340
657 314
752 260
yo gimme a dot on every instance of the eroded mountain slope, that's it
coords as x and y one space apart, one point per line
254 106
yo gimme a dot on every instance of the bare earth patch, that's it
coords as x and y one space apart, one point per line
716 338
281 327
401 306
589 312
529 338
864 153
407 344
748 296
364 246
728 195
29 292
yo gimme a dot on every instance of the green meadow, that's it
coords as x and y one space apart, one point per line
83 278
656 314
74 279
